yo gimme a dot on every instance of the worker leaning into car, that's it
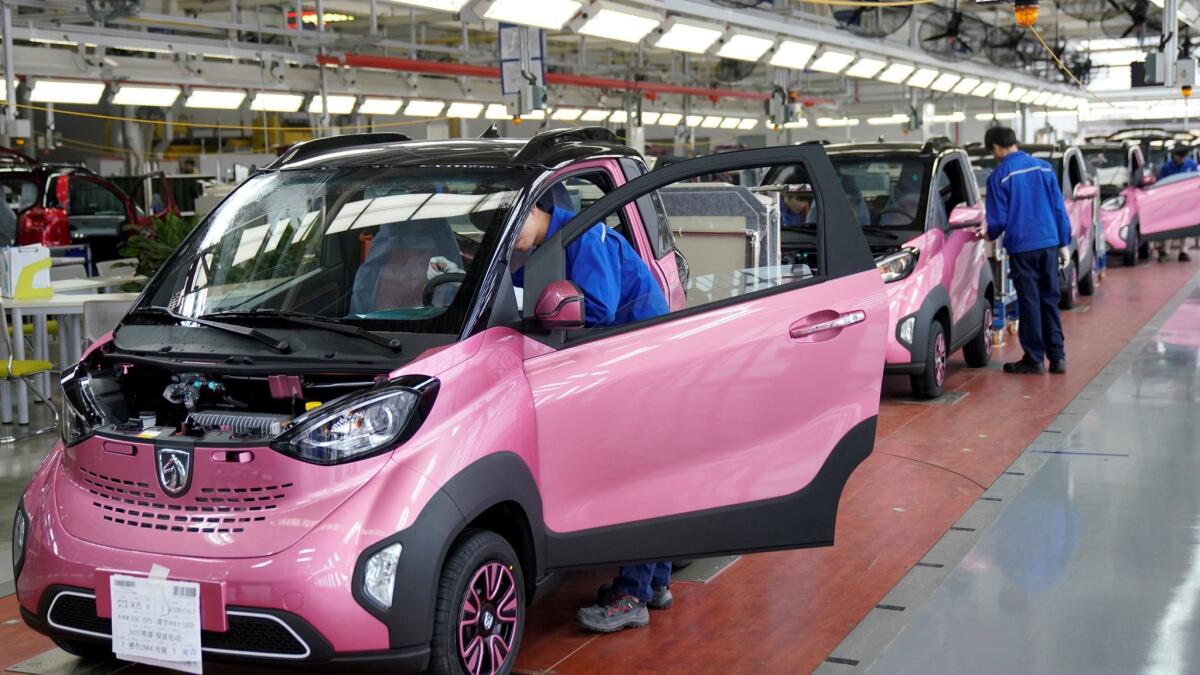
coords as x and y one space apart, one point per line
617 289
1178 163
1025 204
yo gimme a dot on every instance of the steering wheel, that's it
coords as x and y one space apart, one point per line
439 280
895 209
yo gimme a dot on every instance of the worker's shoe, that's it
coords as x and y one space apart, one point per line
1184 257
1023 367
1163 255
1058 367
617 613
660 597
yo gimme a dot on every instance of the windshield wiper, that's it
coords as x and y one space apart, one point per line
280 346
316 321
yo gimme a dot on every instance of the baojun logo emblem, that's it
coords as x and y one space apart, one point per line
174 469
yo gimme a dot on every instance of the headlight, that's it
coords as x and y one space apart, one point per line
81 412
359 426
380 578
19 534
897 265
906 330
1124 232
1113 203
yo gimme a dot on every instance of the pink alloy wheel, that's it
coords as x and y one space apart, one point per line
487 621
989 333
939 359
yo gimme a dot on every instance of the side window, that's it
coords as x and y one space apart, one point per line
89 198
1075 173
582 190
19 193
950 191
733 237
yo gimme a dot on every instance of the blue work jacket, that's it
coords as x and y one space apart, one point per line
616 283
1170 168
1025 204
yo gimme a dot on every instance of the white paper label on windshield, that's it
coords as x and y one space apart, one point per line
156 621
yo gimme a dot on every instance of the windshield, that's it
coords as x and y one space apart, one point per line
1110 167
386 248
983 167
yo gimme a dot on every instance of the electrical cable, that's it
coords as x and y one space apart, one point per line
1066 71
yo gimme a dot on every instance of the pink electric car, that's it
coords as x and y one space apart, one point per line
336 417
1081 196
1137 208
918 205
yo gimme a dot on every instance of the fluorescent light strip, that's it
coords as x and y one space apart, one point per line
497 111
890 119
730 122
966 85
687 36
745 47
215 99
374 105
276 102
796 124
465 110
837 121
617 22
866 68
424 108
896 73
594 115
338 104
546 14
950 117
831 61
793 54
618 117
693 121
1030 96
984 90
945 82
649 117
922 78
711 122
669 119
440 5
987 117
566 114
1002 90
66 91
160 97
1016 94
748 123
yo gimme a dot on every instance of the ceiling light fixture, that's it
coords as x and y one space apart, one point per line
338 104
545 14
618 22
465 110
566 114
745 46
922 78
950 117
268 101
66 91
424 108
374 105
831 61
945 82
159 97
687 36
649 117
793 54
896 73
497 111
898 118
837 121
984 89
796 124
440 5
594 115
215 99
711 122
669 119
693 120
966 85
1002 90
1030 96
866 68
987 117
748 123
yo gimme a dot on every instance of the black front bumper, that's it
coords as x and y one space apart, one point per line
244 643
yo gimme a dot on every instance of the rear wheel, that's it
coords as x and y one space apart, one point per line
480 607
1069 293
1087 281
929 383
1135 248
86 649
978 352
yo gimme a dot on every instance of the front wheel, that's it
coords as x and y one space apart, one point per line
978 352
929 383
1135 248
1087 282
480 607
1069 293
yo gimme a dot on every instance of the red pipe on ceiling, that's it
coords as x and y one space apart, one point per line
467 70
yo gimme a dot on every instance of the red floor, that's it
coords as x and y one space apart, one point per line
784 612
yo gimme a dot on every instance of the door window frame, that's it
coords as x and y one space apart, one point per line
548 263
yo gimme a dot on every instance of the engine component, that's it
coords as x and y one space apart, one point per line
247 423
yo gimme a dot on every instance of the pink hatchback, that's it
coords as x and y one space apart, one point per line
918 207
335 417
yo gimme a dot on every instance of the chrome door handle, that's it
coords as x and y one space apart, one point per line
847 319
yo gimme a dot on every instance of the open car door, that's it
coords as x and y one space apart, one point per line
1170 208
730 424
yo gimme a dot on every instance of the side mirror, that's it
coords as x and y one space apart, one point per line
1146 180
560 307
1085 191
966 216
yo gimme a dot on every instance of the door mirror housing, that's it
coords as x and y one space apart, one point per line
1146 180
966 216
1085 191
560 307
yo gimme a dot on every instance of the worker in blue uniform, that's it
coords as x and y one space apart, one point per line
1180 162
1025 204
617 289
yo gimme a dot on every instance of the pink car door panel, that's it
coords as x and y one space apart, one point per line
1170 207
725 426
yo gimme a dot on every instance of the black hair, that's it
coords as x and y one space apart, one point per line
1180 151
556 196
999 136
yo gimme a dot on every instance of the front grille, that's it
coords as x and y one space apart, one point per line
215 510
249 634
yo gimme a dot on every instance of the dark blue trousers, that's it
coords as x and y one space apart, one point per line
1035 276
637 580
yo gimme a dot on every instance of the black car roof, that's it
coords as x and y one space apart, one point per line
546 150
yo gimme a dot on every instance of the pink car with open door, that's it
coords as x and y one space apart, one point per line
1138 209
1081 196
334 424
918 207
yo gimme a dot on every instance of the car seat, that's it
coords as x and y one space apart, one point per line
395 272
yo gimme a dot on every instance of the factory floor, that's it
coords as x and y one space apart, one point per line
1017 524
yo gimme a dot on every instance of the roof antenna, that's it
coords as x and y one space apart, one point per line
490 132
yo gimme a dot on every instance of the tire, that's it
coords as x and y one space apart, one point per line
1087 282
978 352
479 563
930 382
88 650
1069 293
1135 248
